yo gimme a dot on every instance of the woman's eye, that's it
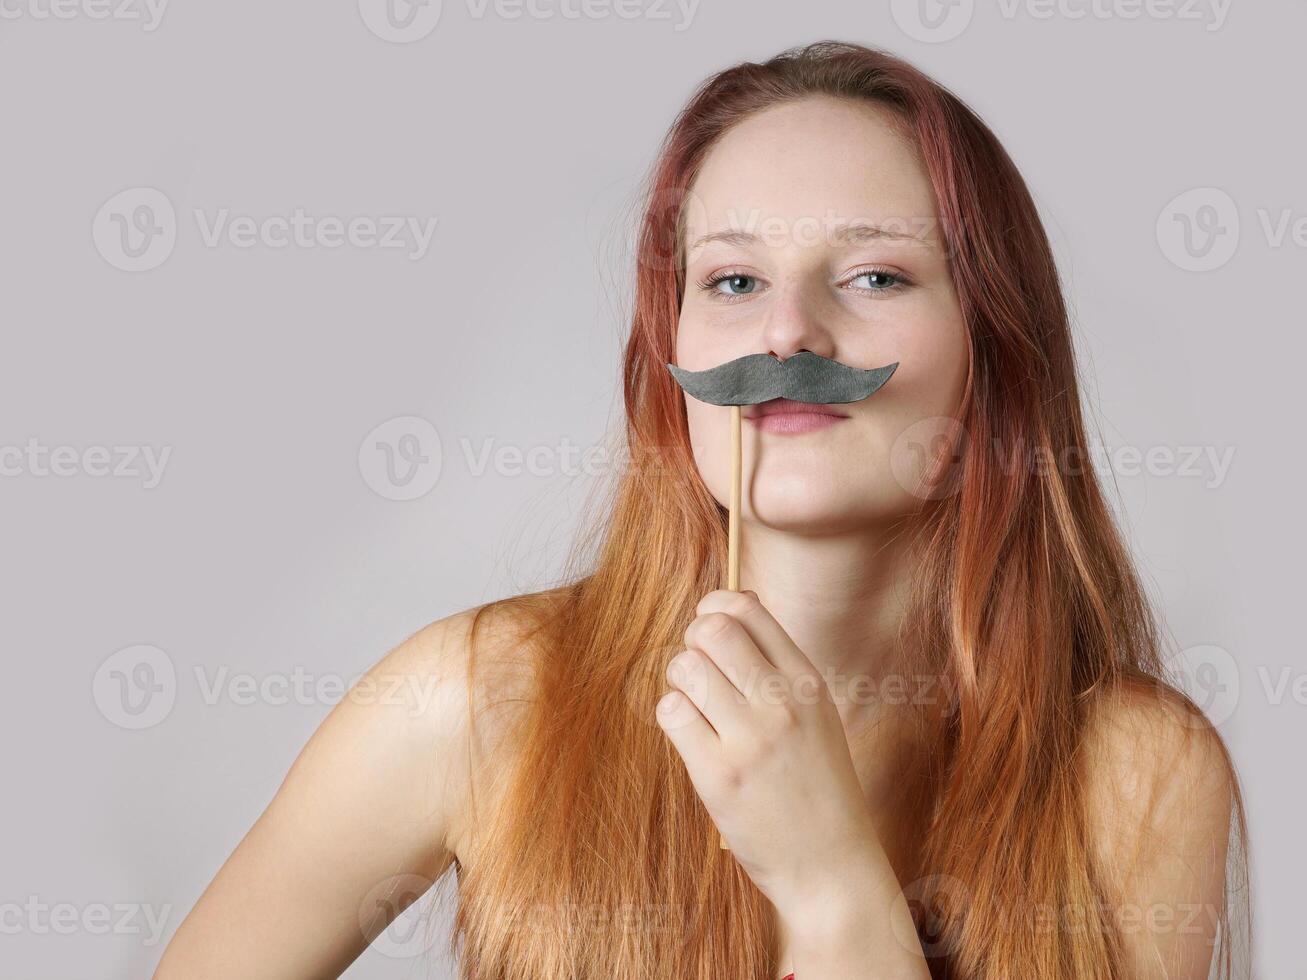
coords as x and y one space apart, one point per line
735 285
878 280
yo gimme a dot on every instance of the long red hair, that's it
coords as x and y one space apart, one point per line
600 863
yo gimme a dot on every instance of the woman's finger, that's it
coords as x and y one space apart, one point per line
695 675
690 734
725 640
767 634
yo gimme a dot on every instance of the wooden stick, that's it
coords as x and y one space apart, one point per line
733 526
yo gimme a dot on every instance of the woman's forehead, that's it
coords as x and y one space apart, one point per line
816 164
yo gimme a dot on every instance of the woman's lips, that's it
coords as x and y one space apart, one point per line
782 415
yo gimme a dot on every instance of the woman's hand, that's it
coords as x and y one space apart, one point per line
755 723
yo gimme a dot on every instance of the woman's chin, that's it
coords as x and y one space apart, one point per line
817 512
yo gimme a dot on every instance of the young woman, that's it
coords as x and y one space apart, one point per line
934 733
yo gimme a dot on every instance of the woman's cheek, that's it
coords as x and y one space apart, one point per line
709 439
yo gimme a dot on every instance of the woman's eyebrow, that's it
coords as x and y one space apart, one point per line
850 234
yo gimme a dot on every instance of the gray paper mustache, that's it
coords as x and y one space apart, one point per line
804 377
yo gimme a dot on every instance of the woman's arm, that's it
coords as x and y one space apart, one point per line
857 925
376 793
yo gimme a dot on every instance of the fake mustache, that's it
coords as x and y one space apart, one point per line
804 377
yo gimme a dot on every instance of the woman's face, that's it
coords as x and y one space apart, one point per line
787 184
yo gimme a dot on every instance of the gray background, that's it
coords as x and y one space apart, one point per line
273 547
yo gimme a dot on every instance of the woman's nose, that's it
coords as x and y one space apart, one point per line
794 323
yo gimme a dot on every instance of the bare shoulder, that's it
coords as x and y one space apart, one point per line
1150 754
371 813
470 661
470 676
1159 792
410 716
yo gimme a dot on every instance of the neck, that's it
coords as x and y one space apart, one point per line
840 598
